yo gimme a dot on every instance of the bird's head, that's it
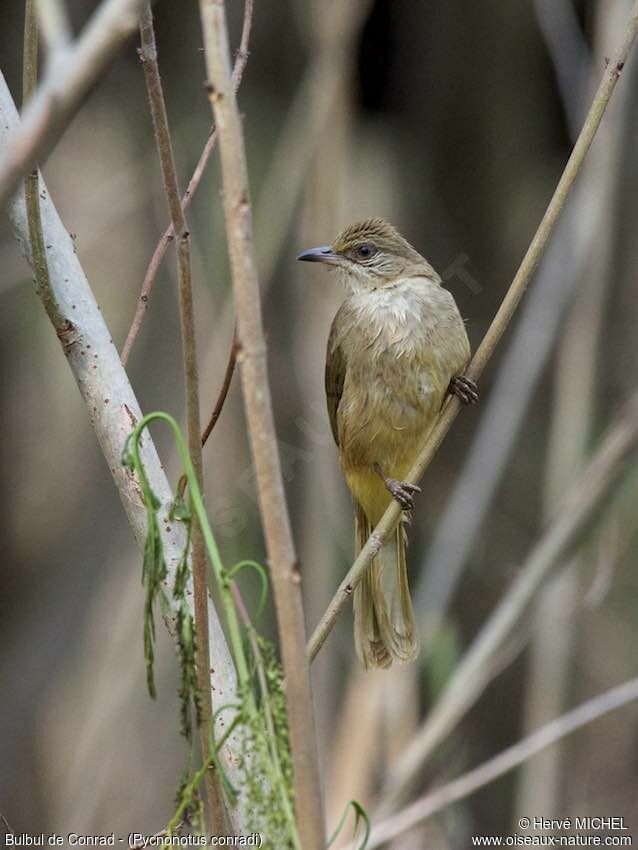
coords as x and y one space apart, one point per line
371 254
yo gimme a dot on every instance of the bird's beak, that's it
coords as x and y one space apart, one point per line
323 254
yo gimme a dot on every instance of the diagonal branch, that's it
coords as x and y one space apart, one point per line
169 234
263 439
62 90
494 333
223 392
586 498
219 405
148 57
112 406
566 269
502 763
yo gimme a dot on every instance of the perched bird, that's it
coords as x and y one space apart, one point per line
397 346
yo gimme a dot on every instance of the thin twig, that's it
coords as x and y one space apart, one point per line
586 498
505 761
493 335
552 651
114 411
32 182
257 398
518 373
148 57
63 89
567 263
241 59
223 392
219 405
300 137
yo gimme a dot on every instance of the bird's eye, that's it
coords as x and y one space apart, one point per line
365 251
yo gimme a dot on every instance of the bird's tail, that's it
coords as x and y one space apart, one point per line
384 629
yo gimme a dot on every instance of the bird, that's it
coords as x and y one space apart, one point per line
397 347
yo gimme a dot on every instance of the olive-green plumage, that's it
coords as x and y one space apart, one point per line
395 344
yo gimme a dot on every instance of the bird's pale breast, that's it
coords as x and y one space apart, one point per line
401 346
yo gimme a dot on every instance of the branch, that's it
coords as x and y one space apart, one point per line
148 57
32 182
252 358
493 335
223 392
503 415
112 406
62 91
510 758
219 405
588 496
552 651
567 266
169 234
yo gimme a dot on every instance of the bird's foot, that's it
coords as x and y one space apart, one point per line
464 389
402 491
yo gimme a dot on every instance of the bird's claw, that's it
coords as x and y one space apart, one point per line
464 389
403 492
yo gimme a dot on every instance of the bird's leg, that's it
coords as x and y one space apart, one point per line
402 491
464 389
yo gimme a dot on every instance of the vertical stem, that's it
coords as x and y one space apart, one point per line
252 359
193 184
32 181
148 56
30 52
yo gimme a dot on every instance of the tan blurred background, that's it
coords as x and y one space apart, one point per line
454 121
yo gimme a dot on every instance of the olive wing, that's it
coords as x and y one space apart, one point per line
334 379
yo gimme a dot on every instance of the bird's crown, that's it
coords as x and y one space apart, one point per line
378 234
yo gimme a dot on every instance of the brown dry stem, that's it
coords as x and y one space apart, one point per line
148 57
169 234
263 439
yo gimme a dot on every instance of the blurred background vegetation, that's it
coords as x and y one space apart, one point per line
451 120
